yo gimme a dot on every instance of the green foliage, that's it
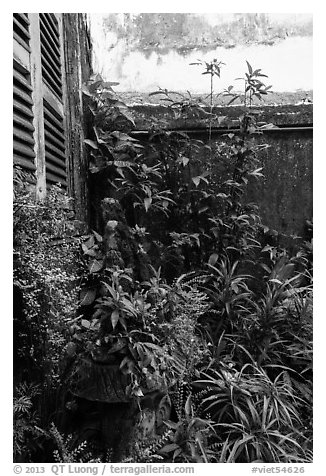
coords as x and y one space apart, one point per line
258 417
254 87
147 451
26 420
225 302
152 334
174 321
188 443
68 452
223 317
46 286
163 185
46 275
115 152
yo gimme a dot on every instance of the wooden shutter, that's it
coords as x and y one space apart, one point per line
23 119
50 52
23 139
54 135
54 127
39 97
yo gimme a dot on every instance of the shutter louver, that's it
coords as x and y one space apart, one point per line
55 158
23 119
50 52
21 29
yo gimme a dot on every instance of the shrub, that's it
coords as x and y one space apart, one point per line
46 284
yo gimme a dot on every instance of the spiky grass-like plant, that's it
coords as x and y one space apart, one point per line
258 416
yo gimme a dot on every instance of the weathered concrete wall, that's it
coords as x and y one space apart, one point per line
150 50
284 195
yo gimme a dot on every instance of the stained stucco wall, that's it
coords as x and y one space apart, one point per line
151 50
